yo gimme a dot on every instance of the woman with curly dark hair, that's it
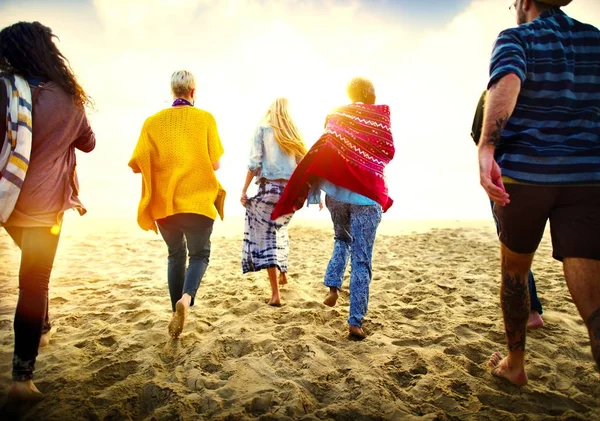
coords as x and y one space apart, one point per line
45 122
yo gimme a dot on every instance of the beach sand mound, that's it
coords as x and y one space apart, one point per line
434 320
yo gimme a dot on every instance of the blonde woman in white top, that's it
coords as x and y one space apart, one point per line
276 149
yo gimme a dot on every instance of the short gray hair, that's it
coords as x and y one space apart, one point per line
182 82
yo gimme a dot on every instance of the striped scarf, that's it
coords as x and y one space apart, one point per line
16 147
352 153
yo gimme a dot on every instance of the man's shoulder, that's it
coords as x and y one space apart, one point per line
557 23
584 28
513 35
527 29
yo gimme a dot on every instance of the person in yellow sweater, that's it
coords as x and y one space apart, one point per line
177 153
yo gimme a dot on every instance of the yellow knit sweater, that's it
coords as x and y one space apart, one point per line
175 154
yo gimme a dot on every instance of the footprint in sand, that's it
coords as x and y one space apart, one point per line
114 373
293 332
107 341
153 397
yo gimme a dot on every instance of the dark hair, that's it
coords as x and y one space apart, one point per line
544 6
28 49
356 88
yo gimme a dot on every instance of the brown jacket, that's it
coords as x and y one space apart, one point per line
51 186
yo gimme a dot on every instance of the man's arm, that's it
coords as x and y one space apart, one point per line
501 101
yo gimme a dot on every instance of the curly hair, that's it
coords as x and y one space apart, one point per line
360 89
28 49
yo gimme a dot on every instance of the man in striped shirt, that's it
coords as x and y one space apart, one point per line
539 160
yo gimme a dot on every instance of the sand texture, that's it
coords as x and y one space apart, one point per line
434 320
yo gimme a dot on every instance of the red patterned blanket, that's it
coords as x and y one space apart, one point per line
353 152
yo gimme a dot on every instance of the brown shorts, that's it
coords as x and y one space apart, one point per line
574 214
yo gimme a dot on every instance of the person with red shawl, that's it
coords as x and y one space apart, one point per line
348 163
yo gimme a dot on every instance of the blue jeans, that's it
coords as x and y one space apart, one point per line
535 303
355 227
181 231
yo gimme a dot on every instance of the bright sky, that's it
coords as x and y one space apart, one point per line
428 60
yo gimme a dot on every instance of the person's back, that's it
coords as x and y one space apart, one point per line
276 164
177 153
51 186
348 163
275 149
43 122
553 136
539 161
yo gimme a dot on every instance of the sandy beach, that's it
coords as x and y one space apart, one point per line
434 320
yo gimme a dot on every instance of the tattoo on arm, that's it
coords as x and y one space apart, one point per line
515 308
494 138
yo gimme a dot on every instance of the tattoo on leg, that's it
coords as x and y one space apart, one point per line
593 324
497 133
515 308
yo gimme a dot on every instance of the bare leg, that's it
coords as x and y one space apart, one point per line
283 278
178 320
275 300
514 296
583 280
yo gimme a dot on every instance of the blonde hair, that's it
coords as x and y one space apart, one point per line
356 88
287 134
182 82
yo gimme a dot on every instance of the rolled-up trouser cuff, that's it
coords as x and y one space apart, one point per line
22 370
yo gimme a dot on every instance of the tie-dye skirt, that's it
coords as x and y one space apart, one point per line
266 242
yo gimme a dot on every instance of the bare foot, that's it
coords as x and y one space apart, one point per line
331 298
283 278
45 338
501 368
356 332
274 302
535 320
178 320
25 391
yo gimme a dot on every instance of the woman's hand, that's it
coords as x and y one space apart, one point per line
321 204
244 199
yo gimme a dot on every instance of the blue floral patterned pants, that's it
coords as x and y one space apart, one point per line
355 227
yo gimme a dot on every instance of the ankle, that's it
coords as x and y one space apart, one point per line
22 383
186 299
515 360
